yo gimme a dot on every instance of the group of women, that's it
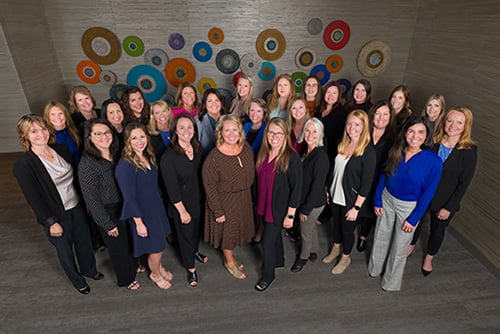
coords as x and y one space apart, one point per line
147 172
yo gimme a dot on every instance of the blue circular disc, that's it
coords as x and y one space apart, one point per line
321 72
151 82
345 87
267 71
202 51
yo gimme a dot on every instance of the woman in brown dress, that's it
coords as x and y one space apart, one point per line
228 174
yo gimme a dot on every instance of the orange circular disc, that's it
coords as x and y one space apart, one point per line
334 63
179 70
216 35
88 71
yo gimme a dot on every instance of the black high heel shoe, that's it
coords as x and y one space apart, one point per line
361 245
192 278
201 258
426 272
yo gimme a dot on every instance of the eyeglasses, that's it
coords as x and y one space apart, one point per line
275 134
100 134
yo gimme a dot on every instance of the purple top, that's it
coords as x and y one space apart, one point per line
265 184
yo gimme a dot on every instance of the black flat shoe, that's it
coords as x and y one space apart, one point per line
201 258
426 272
85 290
262 285
298 265
313 257
192 278
361 245
98 276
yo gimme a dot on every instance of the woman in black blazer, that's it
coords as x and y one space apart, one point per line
45 175
350 182
455 147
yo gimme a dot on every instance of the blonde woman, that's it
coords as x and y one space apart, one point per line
240 104
350 182
159 126
137 177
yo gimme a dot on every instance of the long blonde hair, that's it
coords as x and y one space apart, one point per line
364 137
128 152
70 125
290 120
465 141
23 128
244 109
282 160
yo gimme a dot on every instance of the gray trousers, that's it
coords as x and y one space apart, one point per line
390 242
309 234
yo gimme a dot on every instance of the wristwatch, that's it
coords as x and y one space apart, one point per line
290 216
357 207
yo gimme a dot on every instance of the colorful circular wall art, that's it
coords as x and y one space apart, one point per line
305 58
88 71
236 76
270 44
117 90
374 58
345 86
216 35
206 83
227 97
321 73
250 64
336 35
298 79
107 78
176 41
149 80
101 45
179 70
133 46
202 51
314 26
169 98
157 58
334 63
227 61
267 71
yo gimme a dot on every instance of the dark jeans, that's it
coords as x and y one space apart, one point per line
76 234
272 246
436 234
343 230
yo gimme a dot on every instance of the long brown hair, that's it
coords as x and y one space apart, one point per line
128 152
283 158
275 98
70 125
465 141
72 98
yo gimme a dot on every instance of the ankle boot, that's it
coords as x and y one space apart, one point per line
342 265
332 256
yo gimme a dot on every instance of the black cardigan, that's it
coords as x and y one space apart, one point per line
358 177
458 170
38 188
315 171
287 188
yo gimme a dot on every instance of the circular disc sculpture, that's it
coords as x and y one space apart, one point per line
236 76
374 58
117 90
267 71
305 58
133 46
334 63
101 45
298 79
202 51
156 58
179 70
270 44
227 61
216 35
321 73
205 83
250 64
107 78
88 71
345 86
314 26
176 41
149 80
336 35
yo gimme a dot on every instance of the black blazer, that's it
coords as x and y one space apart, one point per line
38 188
315 170
358 177
458 170
287 188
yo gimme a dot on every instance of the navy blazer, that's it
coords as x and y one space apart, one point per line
37 185
358 177
458 170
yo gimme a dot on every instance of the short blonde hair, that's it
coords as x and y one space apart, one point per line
23 128
152 126
220 125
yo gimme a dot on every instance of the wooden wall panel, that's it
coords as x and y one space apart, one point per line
455 53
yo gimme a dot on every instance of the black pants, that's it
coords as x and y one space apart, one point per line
436 234
76 234
365 225
343 230
188 238
272 246
120 253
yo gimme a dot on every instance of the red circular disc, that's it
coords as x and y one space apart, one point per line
336 35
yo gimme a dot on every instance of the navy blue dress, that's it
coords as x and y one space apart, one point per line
141 198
